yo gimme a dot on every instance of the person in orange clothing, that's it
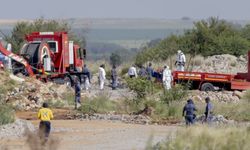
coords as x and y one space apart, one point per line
45 115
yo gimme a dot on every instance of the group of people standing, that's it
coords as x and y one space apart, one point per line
147 72
190 108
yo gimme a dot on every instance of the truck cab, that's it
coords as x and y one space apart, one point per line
53 52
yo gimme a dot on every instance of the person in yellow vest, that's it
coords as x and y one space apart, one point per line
45 115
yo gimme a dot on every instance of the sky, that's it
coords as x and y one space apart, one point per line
159 9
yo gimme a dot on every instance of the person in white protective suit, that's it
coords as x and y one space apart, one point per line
180 61
167 78
102 76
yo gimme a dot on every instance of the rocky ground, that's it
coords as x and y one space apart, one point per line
16 129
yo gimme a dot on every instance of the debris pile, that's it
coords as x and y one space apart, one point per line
219 96
29 93
226 63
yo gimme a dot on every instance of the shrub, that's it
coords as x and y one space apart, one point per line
7 114
140 86
177 93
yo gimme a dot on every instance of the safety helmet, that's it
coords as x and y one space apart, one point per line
179 51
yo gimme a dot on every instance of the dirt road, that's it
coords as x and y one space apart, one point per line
94 135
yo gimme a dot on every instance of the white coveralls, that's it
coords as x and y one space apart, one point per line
132 71
167 78
181 60
102 77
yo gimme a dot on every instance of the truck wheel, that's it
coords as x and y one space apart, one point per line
207 87
67 81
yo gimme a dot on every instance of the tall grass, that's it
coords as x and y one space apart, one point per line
99 104
205 138
7 114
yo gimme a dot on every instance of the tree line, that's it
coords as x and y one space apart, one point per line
208 37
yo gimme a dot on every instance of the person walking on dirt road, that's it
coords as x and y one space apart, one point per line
45 115
188 112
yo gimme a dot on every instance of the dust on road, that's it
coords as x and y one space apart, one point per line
94 135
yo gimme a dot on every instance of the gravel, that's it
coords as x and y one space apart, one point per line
16 129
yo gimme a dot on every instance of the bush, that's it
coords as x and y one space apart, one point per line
177 93
204 138
7 114
140 86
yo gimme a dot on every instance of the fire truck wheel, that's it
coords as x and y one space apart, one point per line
207 87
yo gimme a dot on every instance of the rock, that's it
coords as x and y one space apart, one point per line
214 119
238 94
15 78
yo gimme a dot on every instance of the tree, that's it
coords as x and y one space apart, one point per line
115 59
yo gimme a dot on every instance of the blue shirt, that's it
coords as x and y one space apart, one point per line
189 108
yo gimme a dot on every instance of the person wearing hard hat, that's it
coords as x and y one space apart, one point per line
167 78
180 61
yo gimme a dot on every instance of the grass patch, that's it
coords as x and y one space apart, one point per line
69 97
55 103
99 104
205 138
235 111
7 114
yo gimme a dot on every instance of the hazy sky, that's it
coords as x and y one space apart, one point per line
167 9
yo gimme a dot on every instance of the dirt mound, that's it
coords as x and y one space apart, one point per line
222 64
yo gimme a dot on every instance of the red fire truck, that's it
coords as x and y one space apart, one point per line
49 56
